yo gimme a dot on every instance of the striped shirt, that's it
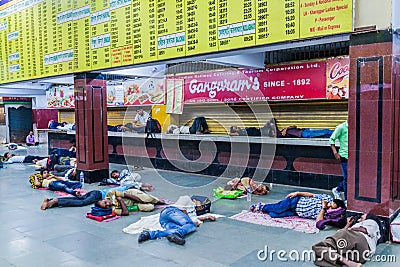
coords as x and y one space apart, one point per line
310 207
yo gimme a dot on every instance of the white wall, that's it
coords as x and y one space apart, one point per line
39 102
396 14
3 133
373 13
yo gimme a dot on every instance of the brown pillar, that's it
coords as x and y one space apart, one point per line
91 126
374 120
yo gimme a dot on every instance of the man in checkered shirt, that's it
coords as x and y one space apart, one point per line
302 204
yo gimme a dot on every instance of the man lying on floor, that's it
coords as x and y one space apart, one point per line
117 198
47 180
353 245
178 220
120 201
89 198
11 158
132 180
322 207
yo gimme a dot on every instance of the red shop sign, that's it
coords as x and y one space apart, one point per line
283 82
13 99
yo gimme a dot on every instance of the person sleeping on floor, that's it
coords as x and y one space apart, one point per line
321 207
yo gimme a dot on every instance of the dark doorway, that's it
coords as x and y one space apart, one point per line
20 123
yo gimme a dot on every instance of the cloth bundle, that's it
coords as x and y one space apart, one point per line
245 183
101 218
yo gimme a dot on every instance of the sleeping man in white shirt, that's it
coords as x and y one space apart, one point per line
199 126
351 246
10 158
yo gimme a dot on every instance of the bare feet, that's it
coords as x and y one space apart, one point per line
211 217
44 204
48 203
350 263
147 188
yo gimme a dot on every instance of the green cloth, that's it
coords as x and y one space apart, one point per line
341 134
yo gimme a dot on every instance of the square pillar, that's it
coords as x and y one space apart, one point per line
91 126
374 122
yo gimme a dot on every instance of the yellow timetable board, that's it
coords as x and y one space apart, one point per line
41 38
65 38
81 34
100 34
277 21
236 24
201 27
323 17
49 38
144 30
171 36
121 33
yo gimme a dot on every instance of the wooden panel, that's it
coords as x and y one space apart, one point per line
114 116
66 115
220 117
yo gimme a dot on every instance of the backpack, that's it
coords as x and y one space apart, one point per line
63 152
53 124
64 160
152 126
97 211
52 160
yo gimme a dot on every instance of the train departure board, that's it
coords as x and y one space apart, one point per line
42 38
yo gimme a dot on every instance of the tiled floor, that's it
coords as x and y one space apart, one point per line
64 237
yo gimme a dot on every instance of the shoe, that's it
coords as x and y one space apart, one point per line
176 239
137 168
144 236
256 207
336 193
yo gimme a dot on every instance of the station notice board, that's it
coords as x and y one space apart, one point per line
42 38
